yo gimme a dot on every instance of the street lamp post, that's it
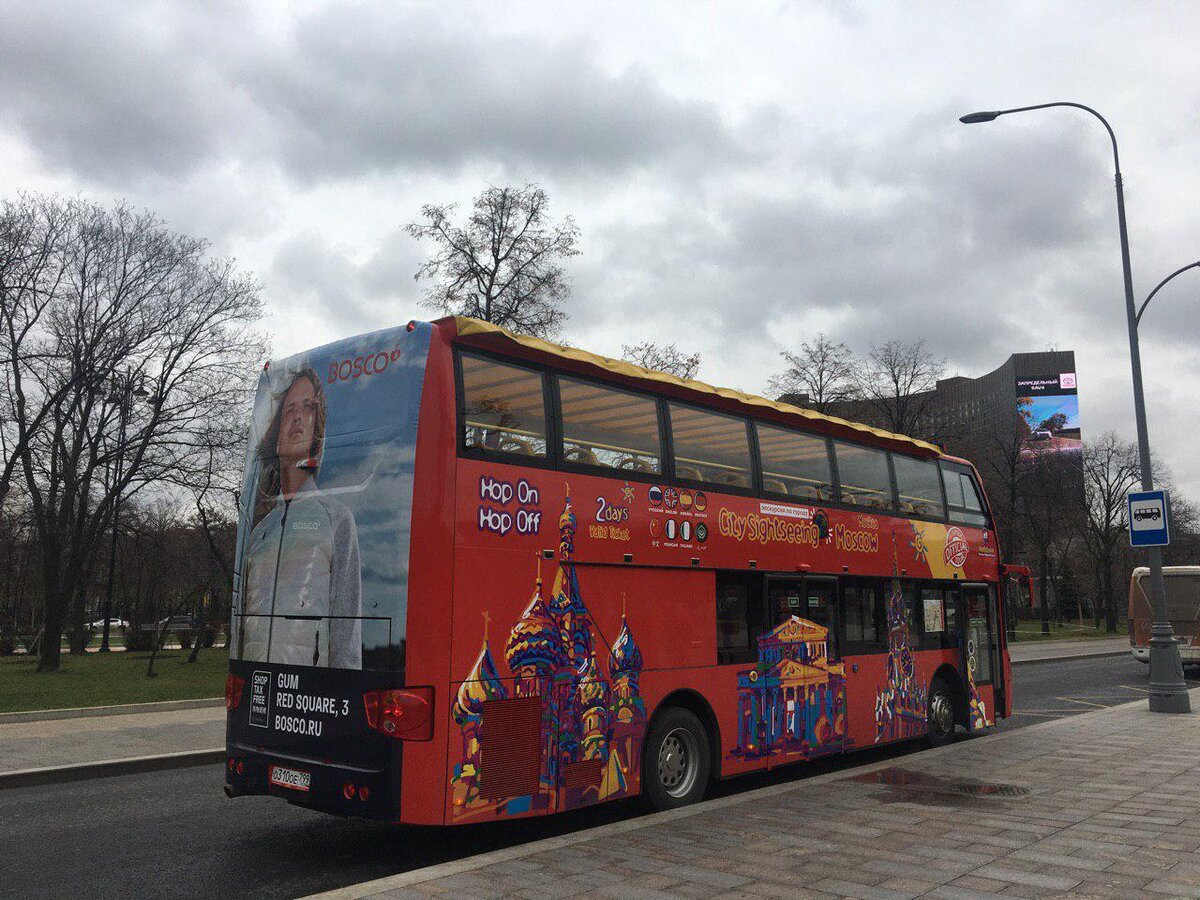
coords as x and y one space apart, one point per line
1168 692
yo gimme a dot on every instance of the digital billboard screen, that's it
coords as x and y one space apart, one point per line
1048 407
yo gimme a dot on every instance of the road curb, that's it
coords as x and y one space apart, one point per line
1098 654
134 765
86 712
457 867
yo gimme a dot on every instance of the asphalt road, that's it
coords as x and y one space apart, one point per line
174 834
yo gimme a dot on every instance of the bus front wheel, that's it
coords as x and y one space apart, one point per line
940 713
677 762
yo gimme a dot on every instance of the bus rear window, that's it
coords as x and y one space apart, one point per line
503 407
710 447
606 427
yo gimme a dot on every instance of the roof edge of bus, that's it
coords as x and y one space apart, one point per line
1143 571
467 327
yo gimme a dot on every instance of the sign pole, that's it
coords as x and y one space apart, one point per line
1168 690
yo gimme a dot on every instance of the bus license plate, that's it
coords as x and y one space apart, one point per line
291 778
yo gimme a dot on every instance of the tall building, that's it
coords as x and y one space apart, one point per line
1031 394
1034 392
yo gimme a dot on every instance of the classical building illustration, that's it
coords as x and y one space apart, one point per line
591 726
794 700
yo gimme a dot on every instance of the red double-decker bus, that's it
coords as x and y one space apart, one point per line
482 576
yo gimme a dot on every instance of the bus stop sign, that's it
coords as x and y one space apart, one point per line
1148 519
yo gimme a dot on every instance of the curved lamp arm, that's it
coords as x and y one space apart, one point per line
973 118
1138 319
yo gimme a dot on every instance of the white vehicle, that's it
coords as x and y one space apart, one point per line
113 624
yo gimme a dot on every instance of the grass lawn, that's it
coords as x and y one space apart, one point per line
1032 631
106 679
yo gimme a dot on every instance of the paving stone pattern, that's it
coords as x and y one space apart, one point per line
1112 810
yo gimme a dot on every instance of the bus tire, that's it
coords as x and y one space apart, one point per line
940 713
676 761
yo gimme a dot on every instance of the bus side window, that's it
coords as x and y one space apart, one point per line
862 612
710 447
863 476
918 486
962 496
741 618
503 407
794 464
606 427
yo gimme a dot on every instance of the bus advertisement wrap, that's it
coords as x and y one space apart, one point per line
326 505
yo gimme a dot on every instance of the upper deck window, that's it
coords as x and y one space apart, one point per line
710 447
503 407
962 496
918 486
794 463
863 476
606 427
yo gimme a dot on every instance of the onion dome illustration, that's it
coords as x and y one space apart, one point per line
566 529
591 690
482 685
535 639
626 656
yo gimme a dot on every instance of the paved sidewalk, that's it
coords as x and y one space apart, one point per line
76 741
1040 651
1104 804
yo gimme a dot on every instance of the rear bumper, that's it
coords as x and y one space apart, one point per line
375 794
1187 654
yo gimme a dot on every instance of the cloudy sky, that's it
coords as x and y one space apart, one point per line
744 175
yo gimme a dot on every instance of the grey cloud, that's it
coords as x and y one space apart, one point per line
336 93
328 282
113 94
903 237
373 92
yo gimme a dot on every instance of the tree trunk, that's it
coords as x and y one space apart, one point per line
52 626
79 632
1110 604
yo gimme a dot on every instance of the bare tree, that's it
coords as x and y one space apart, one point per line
504 264
897 381
662 358
1110 471
822 373
120 295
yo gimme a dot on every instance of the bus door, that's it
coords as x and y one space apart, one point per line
980 644
805 686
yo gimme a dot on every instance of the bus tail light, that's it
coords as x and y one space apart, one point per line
233 691
405 714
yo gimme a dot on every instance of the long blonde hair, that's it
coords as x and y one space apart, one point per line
270 479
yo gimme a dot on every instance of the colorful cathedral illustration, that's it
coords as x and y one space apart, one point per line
794 700
591 727
900 705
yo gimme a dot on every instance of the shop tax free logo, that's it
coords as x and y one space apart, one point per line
955 552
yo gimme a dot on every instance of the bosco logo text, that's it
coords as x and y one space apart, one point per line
363 365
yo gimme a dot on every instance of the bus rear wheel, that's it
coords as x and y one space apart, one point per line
676 762
940 713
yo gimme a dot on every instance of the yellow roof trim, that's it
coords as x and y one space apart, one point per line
469 326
